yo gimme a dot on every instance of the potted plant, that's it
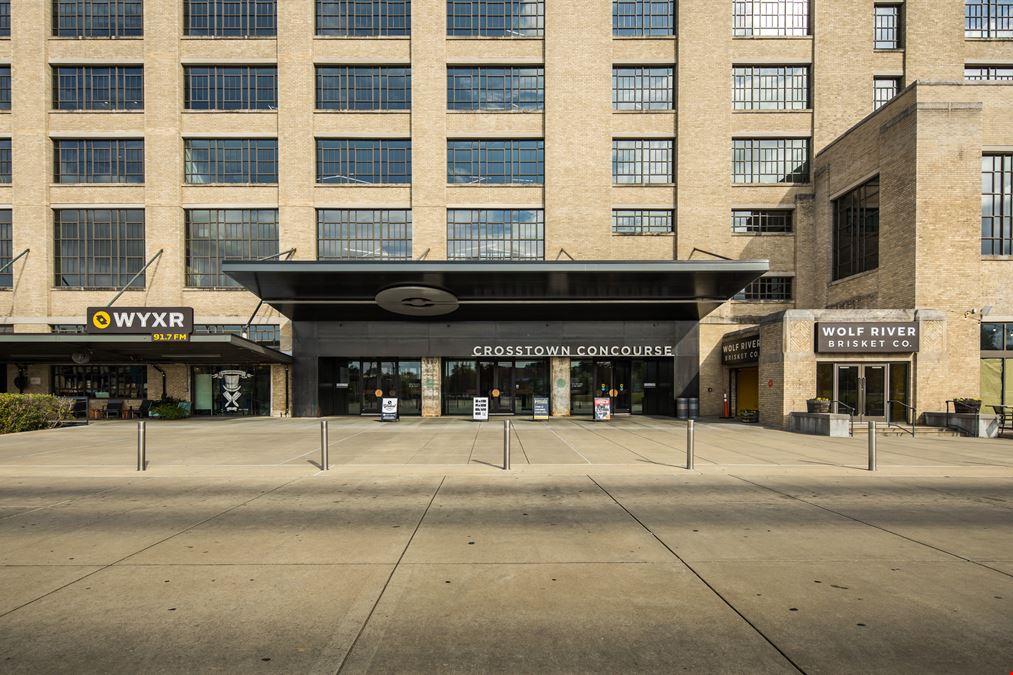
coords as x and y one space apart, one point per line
966 405
820 404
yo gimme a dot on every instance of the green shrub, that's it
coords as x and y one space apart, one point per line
31 412
168 410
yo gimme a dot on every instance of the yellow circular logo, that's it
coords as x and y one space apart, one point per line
101 320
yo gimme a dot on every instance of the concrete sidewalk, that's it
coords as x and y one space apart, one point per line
648 443
598 552
506 573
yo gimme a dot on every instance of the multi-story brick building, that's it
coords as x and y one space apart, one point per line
565 198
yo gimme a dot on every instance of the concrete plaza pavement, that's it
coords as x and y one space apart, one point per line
414 553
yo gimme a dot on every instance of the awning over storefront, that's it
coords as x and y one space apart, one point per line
124 349
495 291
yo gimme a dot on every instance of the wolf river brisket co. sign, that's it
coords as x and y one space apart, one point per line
892 337
741 350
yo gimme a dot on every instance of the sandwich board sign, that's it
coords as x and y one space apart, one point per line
388 410
480 408
602 409
541 408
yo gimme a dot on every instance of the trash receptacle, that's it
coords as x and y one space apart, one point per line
682 408
694 408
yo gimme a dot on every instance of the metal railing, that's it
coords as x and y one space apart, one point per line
956 427
851 416
914 416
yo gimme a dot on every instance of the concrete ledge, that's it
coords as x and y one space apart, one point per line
973 424
834 425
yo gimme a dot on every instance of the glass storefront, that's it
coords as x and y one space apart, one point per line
867 390
510 385
357 386
231 390
637 386
996 383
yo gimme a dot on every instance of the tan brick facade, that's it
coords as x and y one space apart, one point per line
926 146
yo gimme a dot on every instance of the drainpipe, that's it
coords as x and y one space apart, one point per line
159 369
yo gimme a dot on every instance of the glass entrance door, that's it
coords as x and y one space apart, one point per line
866 388
496 380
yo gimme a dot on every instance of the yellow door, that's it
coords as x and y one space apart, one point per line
747 389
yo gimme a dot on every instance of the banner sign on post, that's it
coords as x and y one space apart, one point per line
602 409
480 409
541 408
388 410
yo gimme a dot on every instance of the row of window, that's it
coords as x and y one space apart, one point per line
474 88
987 19
392 18
856 219
104 248
211 161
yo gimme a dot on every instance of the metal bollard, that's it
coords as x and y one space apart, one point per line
506 445
325 460
872 446
690 443
142 446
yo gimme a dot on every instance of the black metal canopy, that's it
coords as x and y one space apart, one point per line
124 349
500 291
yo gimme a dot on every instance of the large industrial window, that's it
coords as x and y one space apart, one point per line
231 87
364 87
496 162
856 231
230 160
98 18
642 221
988 73
770 160
364 18
997 337
770 18
495 234
5 87
6 248
884 89
98 87
767 289
496 18
887 33
343 234
265 334
230 18
98 161
996 196
988 19
495 88
643 88
364 161
762 221
101 381
5 18
5 161
99 248
643 18
214 235
642 161
770 87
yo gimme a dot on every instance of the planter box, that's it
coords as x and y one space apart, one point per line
965 408
814 406
820 424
